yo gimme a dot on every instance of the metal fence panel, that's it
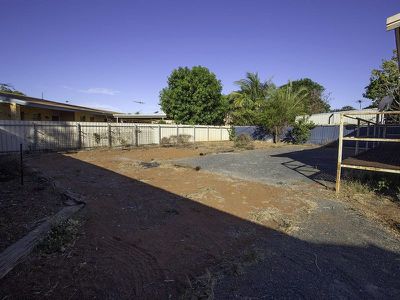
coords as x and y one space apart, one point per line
48 135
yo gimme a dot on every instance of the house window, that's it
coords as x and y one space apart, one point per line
55 118
22 115
83 118
91 119
36 117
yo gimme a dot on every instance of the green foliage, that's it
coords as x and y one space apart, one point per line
301 131
282 108
344 108
7 88
383 82
246 104
193 96
60 237
232 133
249 104
316 100
244 141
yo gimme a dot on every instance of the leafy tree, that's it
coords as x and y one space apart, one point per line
8 88
385 81
247 103
316 100
282 108
344 108
301 131
193 96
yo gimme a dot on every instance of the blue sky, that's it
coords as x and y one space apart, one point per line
110 53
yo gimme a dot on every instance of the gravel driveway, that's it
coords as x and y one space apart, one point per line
283 165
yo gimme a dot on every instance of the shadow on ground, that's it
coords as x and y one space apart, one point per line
318 164
144 242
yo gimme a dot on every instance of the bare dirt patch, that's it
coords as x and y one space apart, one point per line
151 228
23 206
155 230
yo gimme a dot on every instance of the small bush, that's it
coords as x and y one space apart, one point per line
301 131
232 133
165 141
183 139
244 141
60 237
97 138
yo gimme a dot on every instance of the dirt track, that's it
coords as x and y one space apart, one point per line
150 232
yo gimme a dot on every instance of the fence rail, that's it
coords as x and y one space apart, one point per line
43 136
377 129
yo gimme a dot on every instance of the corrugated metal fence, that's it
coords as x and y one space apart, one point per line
42 136
320 135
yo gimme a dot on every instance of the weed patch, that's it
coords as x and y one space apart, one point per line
60 237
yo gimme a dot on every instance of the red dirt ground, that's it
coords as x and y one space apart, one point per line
148 232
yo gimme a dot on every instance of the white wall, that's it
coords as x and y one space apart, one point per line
334 117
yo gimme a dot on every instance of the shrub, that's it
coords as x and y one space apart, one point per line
183 139
244 141
301 131
165 141
232 133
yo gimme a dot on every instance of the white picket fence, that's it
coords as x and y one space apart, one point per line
42 135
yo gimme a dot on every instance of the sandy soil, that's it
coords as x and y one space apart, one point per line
150 228
22 206
150 231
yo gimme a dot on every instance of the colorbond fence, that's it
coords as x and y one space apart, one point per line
43 136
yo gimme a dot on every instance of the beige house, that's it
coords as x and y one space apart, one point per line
17 107
145 118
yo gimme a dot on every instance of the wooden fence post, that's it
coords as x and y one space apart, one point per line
357 135
339 160
208 133
194 134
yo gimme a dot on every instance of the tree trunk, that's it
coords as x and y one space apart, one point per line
275 134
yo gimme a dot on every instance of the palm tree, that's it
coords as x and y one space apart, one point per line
282 108
249 99
253 87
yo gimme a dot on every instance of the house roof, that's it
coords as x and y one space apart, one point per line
139 116
42 103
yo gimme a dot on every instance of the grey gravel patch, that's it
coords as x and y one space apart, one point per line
148 165
278 166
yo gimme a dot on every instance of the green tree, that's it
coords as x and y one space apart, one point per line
385 81
193 96
247 103
8 88
344 108
282 108
316 100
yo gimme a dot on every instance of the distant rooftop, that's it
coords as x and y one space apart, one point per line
42 103
140 116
